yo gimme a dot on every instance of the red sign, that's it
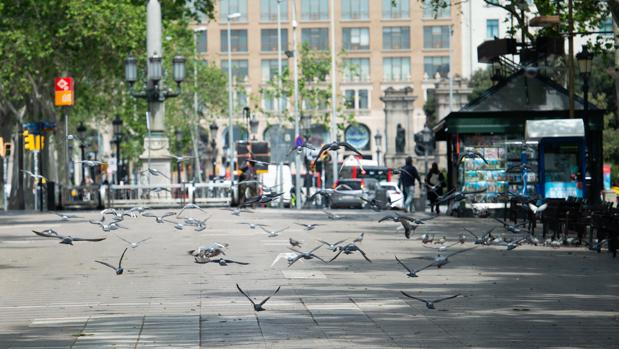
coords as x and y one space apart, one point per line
63 84
64 91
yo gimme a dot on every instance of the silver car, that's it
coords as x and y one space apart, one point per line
348 192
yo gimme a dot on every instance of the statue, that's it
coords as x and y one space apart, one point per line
400 139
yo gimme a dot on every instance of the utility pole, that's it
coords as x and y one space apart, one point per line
295 62
280 165
333 94
570 57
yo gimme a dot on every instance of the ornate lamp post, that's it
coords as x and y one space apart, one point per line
117 126
179 139
230 154
81 131
585 65
214 128
154 90
253 126
378 141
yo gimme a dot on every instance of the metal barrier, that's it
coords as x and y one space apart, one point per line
206 194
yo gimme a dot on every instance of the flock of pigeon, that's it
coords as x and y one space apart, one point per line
215 252
114 219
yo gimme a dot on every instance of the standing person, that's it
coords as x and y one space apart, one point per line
248 173
435 181
408 175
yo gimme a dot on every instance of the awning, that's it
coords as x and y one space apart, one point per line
538 129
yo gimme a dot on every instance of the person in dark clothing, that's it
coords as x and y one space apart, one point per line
408 176
248 173
435 181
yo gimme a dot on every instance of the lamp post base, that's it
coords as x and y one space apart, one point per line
158 158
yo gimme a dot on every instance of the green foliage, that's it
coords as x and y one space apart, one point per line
89 41
429 108
480 82
587 15
314 89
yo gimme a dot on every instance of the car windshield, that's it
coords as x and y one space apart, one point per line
388 187
349 185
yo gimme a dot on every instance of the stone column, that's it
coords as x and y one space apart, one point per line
398 110
156 145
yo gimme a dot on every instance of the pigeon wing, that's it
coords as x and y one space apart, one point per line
446 298
315 249
48 235
91 240
245 294
470 232
402 264
461 251
123 239
269 297
106 264
337 255
413 297
351 148
120 261
364 255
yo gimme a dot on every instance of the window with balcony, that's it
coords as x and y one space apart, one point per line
270 69
201 41
314 10
349 99
227 7
397 69
492 28
268 40
269 103
430 13
238 40
356 69
401 9
436 36
396 38
364 99
240 69
268 10
356 39
355 9
436 64
316 38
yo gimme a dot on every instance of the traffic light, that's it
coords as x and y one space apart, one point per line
7 149
2 154
28 140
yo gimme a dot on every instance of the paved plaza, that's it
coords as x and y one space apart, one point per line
56 296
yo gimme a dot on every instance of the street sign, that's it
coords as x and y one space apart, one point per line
64 91
298 141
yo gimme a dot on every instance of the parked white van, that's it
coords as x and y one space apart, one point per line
278 179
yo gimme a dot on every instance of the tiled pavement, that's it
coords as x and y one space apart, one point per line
55 296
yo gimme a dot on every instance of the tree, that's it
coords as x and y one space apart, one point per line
480 82
314 89
87 40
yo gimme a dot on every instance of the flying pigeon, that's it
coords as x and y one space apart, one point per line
259 306
119 270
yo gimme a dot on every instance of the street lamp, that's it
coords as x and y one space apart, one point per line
253 126
179 139
214 128
230 129
378 141
585 65
154 90
81 131
117 126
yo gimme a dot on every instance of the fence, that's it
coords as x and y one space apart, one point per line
206 194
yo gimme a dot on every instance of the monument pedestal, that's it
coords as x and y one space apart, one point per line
159 159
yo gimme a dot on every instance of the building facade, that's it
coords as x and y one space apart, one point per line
407 45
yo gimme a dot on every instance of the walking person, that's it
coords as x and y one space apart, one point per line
408 176
435 182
